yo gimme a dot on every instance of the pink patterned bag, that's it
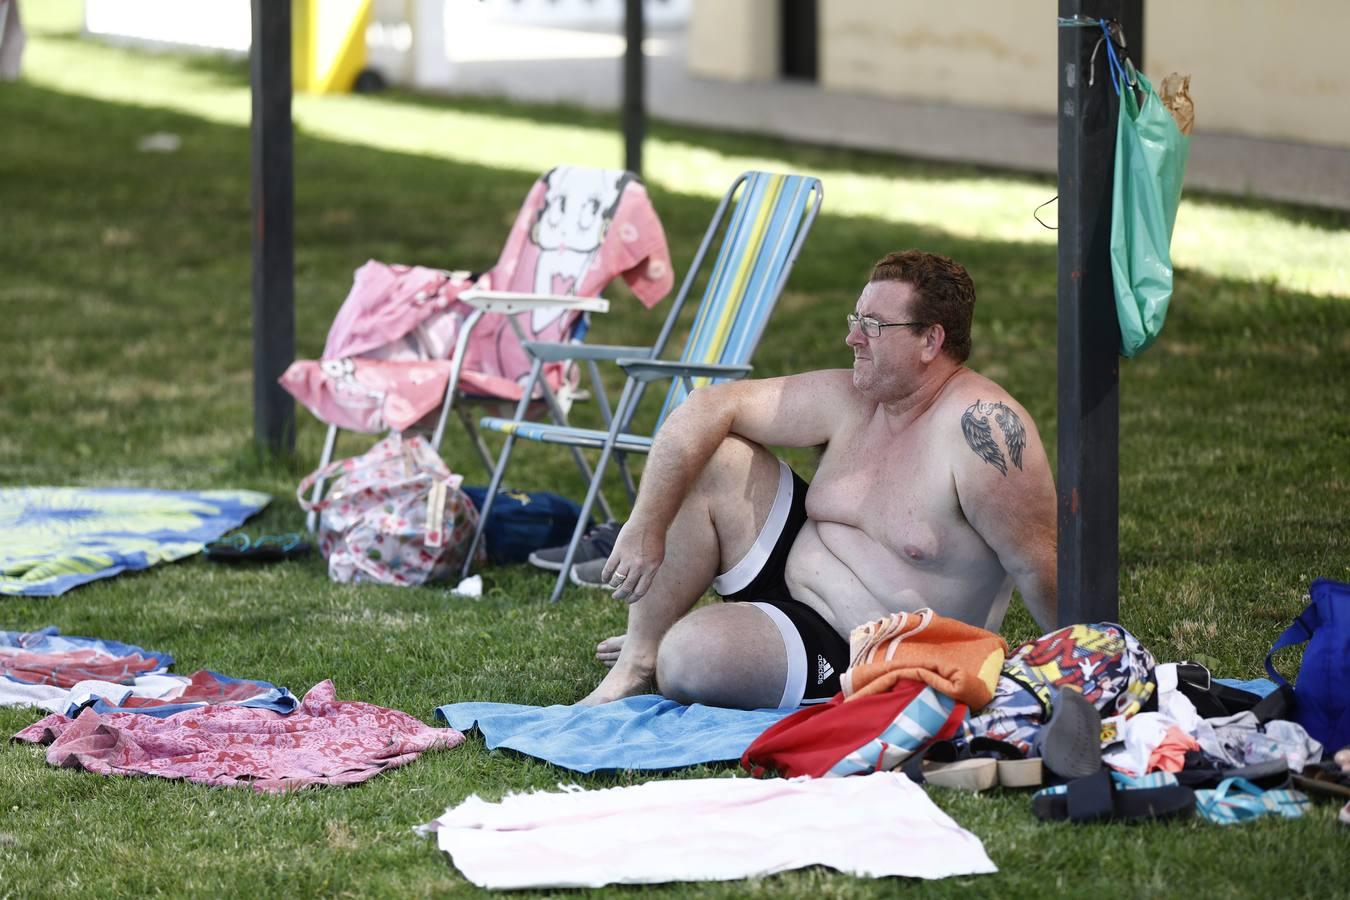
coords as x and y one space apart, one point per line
393 515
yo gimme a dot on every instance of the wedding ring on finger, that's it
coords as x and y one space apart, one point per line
618 579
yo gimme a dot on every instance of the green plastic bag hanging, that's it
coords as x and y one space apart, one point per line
1150 165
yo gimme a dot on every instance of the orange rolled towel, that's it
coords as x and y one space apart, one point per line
954 658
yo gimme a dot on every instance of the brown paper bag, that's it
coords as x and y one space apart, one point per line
1176 96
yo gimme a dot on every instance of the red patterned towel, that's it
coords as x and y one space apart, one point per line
67 669
325 741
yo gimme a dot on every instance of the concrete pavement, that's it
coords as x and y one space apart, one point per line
589 76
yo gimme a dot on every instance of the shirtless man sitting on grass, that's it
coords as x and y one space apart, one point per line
933 490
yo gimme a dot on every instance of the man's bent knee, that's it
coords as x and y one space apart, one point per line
722 656
689 664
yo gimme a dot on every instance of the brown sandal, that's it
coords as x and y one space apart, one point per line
1325 779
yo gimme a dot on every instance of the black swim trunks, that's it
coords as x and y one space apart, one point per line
816 654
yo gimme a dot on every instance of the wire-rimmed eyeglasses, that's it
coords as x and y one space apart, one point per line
872 328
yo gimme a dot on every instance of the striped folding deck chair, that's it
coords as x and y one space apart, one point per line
767 218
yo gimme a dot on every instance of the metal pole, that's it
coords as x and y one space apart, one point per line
634 111
1132 22
1089 336
273 197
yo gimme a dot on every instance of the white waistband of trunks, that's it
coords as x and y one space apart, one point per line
744 572
794 685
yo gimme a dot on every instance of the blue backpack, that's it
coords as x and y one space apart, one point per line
522 522
1322 691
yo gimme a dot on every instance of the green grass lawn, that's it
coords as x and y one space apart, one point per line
125 293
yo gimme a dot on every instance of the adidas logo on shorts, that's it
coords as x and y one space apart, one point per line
823 669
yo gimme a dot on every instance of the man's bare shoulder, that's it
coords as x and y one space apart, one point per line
968 386
981 415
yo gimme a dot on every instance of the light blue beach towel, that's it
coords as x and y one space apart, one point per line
647 732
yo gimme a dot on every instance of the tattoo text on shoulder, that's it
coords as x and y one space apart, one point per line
980 436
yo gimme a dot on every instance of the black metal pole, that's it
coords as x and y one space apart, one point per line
1089 335
634 103
273 195
1132 23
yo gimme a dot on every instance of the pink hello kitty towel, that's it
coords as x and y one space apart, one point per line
388 357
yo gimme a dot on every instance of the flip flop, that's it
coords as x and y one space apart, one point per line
963 774
1325 779
265 548
1070 744
943 764
1015 769
1111 796
1238 800
1020 773
981 764
1268 775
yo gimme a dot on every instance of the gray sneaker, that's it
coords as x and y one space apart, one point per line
595 544
588 574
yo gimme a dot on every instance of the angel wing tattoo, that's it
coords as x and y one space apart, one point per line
1014 435
980 435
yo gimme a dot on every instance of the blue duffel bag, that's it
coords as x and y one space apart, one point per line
1322 690
522 522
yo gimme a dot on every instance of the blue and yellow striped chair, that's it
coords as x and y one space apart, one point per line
767 218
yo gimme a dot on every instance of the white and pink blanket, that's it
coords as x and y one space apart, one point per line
707 829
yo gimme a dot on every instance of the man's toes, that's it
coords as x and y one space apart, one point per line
608 650
609 647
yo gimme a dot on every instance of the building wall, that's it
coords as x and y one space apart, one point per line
975 52
733 40
1258 68
1255 68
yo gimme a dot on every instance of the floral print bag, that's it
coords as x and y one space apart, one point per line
393 515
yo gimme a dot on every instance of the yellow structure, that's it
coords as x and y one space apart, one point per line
328 48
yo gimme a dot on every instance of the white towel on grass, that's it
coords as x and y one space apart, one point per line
710 829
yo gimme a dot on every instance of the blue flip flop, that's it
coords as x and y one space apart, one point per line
1238 800
265 548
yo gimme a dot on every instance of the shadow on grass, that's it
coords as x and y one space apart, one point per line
127 276
136 266
229 71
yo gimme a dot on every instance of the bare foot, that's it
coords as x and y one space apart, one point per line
607 651
623 680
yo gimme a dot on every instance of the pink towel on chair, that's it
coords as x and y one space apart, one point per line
325 741
386 362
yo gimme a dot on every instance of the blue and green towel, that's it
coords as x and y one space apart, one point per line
54 539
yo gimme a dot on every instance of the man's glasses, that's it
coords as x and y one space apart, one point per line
872 328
